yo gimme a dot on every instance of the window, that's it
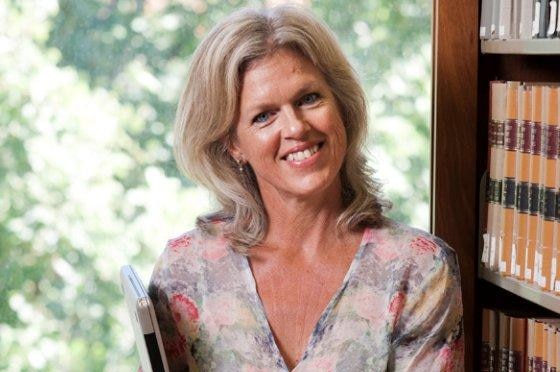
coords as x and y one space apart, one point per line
87 180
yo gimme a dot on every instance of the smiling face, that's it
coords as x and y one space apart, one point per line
290 129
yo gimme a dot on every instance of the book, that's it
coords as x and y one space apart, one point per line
525 19
495 24
551 356
509 179
489 340
543 18
486 19
517 344
536 18
553 13
538 348
533 218
548 164
515 18
504 28
497 125
523 178
530 344
503 342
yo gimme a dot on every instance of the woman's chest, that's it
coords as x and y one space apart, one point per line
277 320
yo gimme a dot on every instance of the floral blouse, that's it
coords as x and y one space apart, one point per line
398 308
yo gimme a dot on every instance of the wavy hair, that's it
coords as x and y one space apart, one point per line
209 105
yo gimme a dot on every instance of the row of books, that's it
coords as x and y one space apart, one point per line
518 344
519 19
522 237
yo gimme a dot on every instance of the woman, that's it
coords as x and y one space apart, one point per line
298 270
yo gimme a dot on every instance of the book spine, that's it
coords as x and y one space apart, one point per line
538 356
498 115
517 344
557 353
543 18
530 344
515 18
486 19
503 342
533 219
553 12
524 172
509 180
504 31
526 19
486 362
551 348
536 19
548 175
489 236
494 26
555 282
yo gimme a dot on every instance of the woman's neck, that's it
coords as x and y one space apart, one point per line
305 227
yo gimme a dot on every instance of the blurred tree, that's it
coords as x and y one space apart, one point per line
87 183
140 51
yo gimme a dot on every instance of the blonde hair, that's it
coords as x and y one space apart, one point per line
208 110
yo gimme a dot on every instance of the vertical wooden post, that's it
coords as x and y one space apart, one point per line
454 147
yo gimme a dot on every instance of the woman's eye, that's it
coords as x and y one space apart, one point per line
309 98
261 118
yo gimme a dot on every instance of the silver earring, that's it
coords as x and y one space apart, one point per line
239 165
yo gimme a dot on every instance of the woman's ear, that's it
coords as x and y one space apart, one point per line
233 149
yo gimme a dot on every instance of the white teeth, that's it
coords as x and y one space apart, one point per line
302 155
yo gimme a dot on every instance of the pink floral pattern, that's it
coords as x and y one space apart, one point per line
179 243
423 245
398 308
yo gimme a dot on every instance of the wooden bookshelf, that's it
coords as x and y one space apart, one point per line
522 289
523 47
462 70
454 202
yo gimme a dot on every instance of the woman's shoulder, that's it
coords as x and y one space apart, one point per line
406 242
205 244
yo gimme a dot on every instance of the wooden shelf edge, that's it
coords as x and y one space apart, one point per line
536 46
520 288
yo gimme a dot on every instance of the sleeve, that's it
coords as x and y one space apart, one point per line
169 317
428 333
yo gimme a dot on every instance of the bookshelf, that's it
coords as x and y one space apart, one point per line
522 47
462 69
522 289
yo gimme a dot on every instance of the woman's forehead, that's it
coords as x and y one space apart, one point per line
284 72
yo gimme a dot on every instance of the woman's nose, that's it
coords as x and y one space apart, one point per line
296 124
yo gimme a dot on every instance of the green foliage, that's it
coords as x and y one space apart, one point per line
87 96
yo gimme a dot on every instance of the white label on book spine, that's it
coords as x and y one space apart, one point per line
538 262
502 266
485 248
557 18
542 281
536 20
513 257
493 249
528 274
552 21
552 273
517 270
500 249
502 32
482 31
537 268
557 288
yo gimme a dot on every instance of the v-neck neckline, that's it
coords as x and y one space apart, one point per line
261 313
